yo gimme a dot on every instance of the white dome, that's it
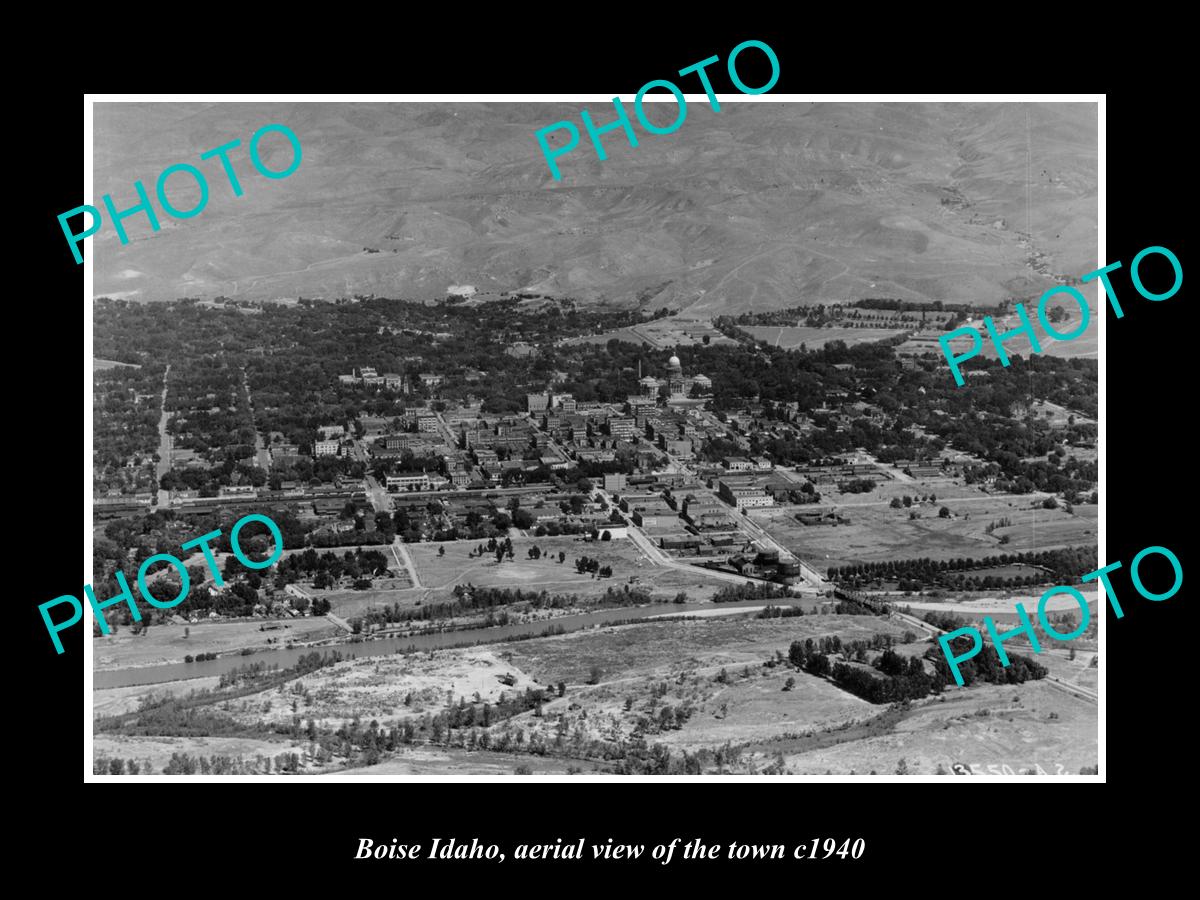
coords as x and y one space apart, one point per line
674 362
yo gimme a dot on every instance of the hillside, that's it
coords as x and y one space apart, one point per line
756 207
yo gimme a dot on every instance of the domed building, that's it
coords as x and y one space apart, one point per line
679 386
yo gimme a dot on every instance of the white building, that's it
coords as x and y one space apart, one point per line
419 482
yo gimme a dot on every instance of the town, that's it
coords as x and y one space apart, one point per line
525 467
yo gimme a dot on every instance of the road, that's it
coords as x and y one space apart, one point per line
811 576
404 560
164 446
655 555
262 456
378 495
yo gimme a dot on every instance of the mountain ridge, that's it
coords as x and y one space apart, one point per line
757 207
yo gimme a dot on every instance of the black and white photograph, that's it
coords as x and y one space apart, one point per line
469 439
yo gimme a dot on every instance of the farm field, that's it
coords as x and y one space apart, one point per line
791 336
876 532
166 644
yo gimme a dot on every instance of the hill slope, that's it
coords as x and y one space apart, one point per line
755 207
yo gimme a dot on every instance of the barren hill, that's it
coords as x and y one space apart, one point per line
755 207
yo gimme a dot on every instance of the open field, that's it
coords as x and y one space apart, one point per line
758 708
388 689
670 647
1020 726
115 701
995 606
439 575
686 684
791 336
876 532
166 643
1057 415
1086 345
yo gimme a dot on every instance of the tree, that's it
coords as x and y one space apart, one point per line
187 632
789 684
944 513
902 768
441 551
594 675
896 503
1049 503
1072 656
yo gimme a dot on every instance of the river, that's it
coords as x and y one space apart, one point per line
285 658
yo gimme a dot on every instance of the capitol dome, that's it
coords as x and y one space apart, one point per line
674 362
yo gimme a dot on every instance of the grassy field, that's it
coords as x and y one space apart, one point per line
791 336
1086 345
876 532
661 334
671 647
438 575
166 643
